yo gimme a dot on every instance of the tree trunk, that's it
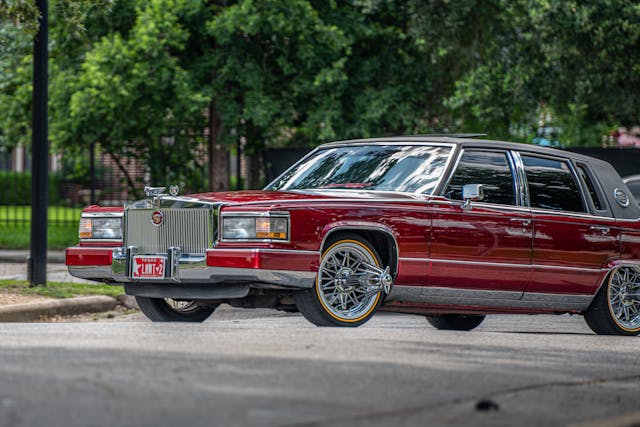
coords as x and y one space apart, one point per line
254 178
218 154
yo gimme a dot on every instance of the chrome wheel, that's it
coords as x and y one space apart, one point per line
182 306
624 297
345 286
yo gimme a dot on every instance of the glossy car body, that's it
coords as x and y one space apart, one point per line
553 228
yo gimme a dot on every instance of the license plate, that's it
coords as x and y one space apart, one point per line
148 267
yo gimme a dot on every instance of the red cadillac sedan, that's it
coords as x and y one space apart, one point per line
446 227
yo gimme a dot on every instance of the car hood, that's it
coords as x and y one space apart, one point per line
271 197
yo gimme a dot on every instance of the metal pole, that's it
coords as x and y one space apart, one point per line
92 171
40 151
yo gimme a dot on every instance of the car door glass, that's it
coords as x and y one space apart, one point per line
489 168
595 197
552 185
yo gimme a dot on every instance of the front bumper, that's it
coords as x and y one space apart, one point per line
287 268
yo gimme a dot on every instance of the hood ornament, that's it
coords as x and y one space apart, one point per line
154 191
174 190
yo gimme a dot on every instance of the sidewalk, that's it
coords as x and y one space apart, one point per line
15 307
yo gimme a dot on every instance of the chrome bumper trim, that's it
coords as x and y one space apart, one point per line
192 269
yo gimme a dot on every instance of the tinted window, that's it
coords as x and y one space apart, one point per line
551 185
410 169
489 168
590 187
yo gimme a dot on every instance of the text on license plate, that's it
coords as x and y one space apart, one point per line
148 267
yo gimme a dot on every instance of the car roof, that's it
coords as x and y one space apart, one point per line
463 142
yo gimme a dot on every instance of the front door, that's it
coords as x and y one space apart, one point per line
485 249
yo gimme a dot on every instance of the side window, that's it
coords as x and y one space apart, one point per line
490 168
595 195
552 185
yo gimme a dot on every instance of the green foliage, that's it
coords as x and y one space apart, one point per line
140 80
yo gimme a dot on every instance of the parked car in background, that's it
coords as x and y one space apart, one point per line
449 228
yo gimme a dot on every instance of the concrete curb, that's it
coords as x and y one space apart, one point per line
627 420
21 255
63 307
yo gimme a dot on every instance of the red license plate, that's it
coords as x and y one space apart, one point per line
148 267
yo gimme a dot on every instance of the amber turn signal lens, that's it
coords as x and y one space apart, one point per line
85 228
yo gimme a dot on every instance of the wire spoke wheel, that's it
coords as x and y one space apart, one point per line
182 306
343 281
623 295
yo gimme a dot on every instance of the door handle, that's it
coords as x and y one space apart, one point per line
601 228
524 221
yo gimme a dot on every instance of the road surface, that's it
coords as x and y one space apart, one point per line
262 368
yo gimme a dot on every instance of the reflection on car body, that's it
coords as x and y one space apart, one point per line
450 228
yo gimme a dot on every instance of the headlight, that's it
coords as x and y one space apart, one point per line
255 228
100 228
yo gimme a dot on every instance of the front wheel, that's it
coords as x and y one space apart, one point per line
455 322
170 310
616 308
344 294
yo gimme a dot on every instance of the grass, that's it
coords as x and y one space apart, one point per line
59 289
15 227
23 213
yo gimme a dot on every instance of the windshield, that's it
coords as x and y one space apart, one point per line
408 169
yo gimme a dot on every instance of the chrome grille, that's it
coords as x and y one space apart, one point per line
188 229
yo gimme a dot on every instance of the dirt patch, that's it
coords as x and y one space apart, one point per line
9 298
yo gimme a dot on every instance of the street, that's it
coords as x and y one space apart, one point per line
264 368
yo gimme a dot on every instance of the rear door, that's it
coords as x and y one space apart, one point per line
485 248
574 235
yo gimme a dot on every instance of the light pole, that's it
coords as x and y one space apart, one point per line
39 151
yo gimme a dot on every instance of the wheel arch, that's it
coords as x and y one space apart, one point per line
381 237
610 268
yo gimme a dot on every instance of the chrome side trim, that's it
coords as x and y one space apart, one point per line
500 264
489 298
498 207
491 264
561 267
564 214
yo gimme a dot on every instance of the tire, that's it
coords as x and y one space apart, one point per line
455 322
331 303
615 310
168 310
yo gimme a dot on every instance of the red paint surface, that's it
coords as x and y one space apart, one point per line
260 259
78 256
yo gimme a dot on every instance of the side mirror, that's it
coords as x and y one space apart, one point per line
472 193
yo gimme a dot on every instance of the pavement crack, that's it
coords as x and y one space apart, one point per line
416 409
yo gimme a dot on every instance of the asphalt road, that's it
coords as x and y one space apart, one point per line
257 368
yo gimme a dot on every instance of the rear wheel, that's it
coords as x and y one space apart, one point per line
455 322
342 294
616 308
170 310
